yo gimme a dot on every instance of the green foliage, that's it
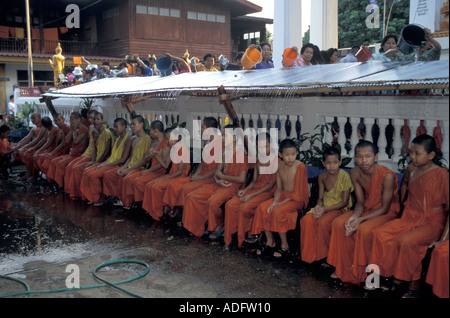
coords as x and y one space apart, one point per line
27 110
313 155
405 161
352 22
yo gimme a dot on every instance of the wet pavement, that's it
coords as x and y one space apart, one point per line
42 232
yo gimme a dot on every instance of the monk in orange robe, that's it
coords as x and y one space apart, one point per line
154 190
280 213
399 246
240 210
78 138
334 199
36 134
134 183
92 181
61 149
204 204
438 270
113 179
51 142
101 151
377 202
175 194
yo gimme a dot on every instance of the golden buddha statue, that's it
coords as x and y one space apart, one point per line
57 64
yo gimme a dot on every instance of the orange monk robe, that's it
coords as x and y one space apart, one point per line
57 168
36 132
27 158
351 255
73 183
177 191
84 159
438 271
112 182
54 131
43 162
400 246
239 215
284 217
204 204
92 181
154 190
134 183
315 233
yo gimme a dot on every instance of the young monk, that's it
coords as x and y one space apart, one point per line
134 183
279 214
377 202
240 210
78 138
6 159
102 150
399 246
34 136
437 275
49 143
204 204
154 190
334 199
176 192
61 149
113 179
92 181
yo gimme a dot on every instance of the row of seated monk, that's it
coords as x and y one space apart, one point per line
361 217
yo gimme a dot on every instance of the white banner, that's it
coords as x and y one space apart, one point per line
423 12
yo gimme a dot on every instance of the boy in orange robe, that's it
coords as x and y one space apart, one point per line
280 213
334 199
61 149
78 137
92 182
377 202
400 246
176 192
155 189
204 204
134 183
240 210
438 270
113 179
102 150
48 144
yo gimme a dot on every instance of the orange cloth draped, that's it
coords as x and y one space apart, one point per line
92 183
204 204
154 192
43 162
351 255
36 133
284 217
41 156
176 192
400 245
438 271
74 173
57 168
27 159
134 183
239 215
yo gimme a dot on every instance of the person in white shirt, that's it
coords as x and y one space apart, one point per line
351 58
11 106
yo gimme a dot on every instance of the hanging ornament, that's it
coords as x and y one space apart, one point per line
405 134
421 130
361 129
348 130
288 126
227 120
375 133
259 123
298 127
335 131
250 122
437 135
242 122
389 132
268 123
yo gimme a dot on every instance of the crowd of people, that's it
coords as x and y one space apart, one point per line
387 225
309 54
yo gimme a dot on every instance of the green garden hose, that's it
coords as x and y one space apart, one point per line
106 283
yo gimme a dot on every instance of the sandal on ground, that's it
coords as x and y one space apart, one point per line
411 294
252 239
265 250
215 236
284 254
99 203
390 286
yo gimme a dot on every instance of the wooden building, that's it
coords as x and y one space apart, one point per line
111 29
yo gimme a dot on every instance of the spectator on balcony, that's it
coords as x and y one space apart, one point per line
181 64
208 64
306 55
266 51
238 66
351 58
333 55
140 71
152 64
145 66
389 51
325 56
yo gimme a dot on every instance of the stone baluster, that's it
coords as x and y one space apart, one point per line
369 124
329 134
398 123
341 139
414 125
354 121
382 143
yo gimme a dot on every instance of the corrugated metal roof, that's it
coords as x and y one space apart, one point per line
317 78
